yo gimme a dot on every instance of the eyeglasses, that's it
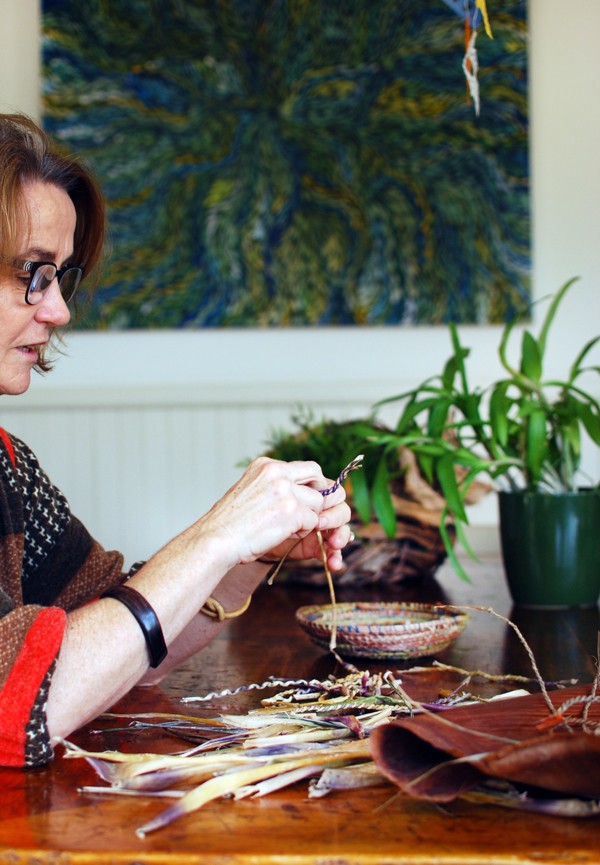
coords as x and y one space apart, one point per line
42 273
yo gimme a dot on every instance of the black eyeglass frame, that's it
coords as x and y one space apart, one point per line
32 289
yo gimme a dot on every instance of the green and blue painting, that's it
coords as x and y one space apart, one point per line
302 163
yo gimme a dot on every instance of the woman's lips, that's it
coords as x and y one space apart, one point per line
30 350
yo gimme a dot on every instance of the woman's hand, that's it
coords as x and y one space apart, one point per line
275 504
335 535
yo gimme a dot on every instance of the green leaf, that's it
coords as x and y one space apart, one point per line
360 496
460 354
450 488
591 422
572 440
576 368
461 537
535 445
426 466
470 407
556 301
531 361
432 447
504 345
412 410
424 387
455 364
382 501
449 545
438 417
499 408
586 397
468 458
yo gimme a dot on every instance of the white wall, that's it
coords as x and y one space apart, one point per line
343 367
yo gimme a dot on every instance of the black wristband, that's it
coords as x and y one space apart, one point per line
146 618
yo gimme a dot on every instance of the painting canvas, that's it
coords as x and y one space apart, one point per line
301 163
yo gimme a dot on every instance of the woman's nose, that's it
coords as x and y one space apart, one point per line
53 308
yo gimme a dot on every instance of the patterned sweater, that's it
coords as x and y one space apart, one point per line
49 564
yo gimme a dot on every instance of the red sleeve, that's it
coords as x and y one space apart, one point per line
22 687
45 550
4 436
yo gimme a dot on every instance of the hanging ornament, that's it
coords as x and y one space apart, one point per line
470 68
473 12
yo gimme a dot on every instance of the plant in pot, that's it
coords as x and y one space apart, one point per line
396 513
524 432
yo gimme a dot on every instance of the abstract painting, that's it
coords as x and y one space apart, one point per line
301 163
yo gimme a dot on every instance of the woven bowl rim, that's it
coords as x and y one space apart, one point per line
380 616
424 629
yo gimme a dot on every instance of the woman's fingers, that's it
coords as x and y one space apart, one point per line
307 472
334 513
309 547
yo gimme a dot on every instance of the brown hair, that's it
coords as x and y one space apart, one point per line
28 155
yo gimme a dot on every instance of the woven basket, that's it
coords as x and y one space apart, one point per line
383 630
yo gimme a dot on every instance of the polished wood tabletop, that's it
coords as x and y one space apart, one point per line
43 817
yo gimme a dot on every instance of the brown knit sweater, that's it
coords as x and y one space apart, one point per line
49 564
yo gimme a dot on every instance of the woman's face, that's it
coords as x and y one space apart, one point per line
25 329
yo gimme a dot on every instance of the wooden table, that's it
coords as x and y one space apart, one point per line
44 819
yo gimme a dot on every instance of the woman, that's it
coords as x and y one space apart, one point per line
76 633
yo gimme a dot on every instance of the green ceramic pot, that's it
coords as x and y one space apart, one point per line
551 547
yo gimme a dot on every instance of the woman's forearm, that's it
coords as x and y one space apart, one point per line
104 653
232 594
